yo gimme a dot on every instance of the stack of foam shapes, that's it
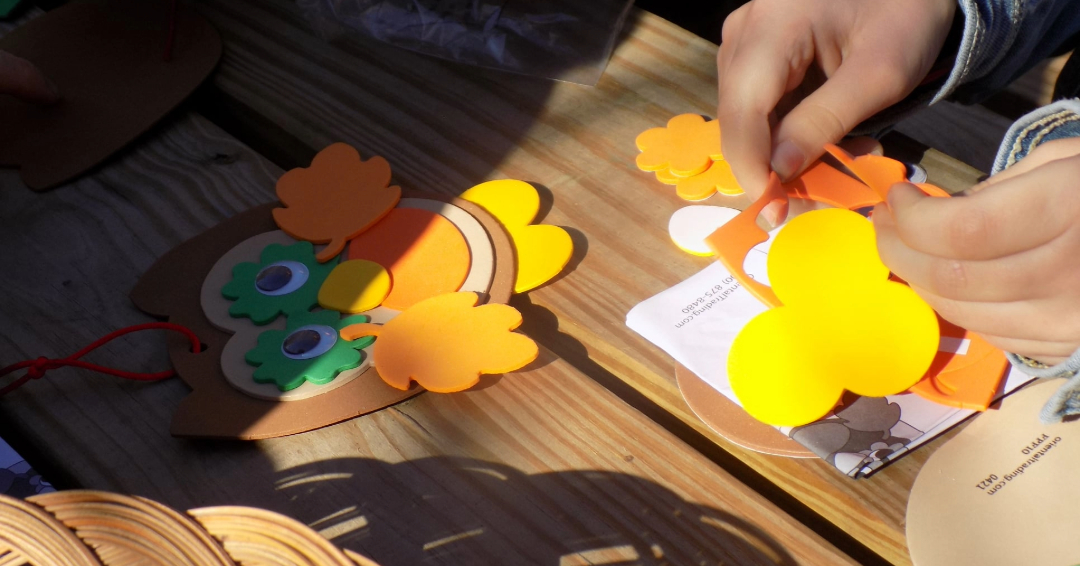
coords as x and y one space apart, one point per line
542 251
459 340
844 325
97 528
966 373
107 59
335 199
686 153
185 286
423 252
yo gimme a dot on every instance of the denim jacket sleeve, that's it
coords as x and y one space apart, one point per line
999 41
1056 121
1004 38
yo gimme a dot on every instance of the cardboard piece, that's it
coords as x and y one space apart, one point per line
171 289
107 58
1002 492
733 423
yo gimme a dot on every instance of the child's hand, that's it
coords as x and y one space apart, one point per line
820 67
1003 262
20 78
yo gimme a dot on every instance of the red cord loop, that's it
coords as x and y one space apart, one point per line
35 369
39 367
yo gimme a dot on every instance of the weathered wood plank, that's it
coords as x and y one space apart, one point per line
544 467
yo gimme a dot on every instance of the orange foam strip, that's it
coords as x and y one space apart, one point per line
732 241
878 172
824 183
424 252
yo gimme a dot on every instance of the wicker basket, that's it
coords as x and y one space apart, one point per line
84 528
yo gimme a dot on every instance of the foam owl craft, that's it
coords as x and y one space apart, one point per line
348 296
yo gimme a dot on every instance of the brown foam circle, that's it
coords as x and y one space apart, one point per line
730 420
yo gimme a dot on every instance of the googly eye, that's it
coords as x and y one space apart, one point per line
281 278
309 341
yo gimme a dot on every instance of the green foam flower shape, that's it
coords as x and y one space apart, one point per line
280 354
294 290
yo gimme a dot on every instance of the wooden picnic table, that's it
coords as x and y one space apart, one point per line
590 455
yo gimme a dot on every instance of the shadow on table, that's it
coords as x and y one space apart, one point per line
463 511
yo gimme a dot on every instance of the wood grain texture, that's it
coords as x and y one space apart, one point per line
446 127
544 467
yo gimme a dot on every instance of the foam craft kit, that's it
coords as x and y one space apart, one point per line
967 379
108 59
1001 492
299 336
968 382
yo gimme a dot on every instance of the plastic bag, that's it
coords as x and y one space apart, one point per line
569 40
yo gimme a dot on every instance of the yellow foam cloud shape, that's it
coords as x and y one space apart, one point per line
541 251
843 326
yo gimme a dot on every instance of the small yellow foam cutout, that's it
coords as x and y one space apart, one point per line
542 251
843 326
355 286
446 342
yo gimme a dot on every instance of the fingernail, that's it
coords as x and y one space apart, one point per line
787 159
771 212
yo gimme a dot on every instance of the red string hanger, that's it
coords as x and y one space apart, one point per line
35 369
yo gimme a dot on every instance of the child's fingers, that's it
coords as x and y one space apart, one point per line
860 87
754 80
1014 215
1050 352
20 78
995 319
1007 279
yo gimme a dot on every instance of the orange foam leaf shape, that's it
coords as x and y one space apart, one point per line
687 146
446 342
335 199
